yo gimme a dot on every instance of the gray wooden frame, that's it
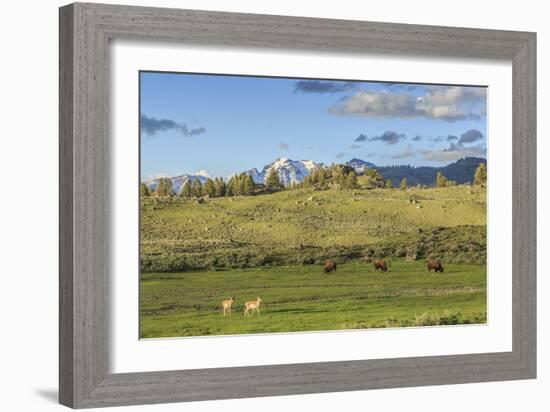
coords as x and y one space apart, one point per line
85 31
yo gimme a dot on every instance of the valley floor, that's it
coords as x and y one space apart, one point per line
303 298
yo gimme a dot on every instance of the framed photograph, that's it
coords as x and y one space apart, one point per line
256 205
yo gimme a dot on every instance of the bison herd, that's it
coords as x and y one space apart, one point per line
382 266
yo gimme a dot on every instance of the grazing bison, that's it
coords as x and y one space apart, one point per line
330 266
380 264
435 265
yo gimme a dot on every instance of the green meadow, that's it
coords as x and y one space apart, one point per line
194 255
303 298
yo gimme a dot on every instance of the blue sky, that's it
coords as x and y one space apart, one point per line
228 124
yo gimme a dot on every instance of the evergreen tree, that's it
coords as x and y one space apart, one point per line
143 190
273 182
480 176
219 185
186 191
351 180
241 183
316 178
164 187
237 185
209 188
374 178
441 180
248 185
338 175
321 177
403 184
196 188
389 184
230 187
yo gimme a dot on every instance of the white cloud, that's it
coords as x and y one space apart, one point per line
377 104
439 102
452 103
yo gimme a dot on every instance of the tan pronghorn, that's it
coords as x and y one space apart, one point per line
227 306
253 305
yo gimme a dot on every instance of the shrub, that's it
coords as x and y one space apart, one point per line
447 318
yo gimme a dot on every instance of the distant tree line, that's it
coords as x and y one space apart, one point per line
461 171
339 176
480 177
211 188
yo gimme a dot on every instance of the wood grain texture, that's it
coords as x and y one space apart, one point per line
85 31
524 209
66 229
84 175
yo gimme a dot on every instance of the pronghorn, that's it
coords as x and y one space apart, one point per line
227 306
253 305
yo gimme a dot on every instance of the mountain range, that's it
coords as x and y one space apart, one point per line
290 171
294 171
179 181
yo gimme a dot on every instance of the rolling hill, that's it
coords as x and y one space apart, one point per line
306 226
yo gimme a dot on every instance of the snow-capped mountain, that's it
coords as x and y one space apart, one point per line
290 171
359 165
179 181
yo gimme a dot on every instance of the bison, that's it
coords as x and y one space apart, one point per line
330 266
380 264
435 265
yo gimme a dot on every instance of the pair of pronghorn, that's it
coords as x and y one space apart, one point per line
249 307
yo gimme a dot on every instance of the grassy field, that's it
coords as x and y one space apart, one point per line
303 298
305 226
194 255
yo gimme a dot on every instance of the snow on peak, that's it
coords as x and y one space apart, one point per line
280 162
310 164
178 181
202 173
359 165
290 171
